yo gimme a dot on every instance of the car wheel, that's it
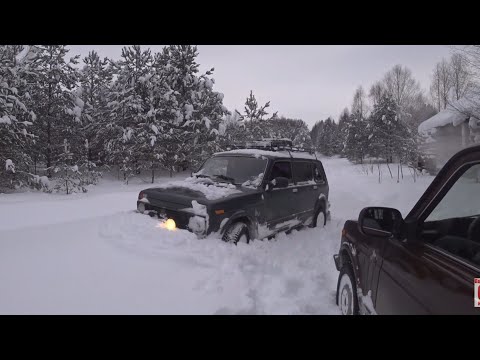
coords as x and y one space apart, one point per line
236 233
347 299
320 219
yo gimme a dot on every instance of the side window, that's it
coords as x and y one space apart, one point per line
282 169
454 224
318 173
302 172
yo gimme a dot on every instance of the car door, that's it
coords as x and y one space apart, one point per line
432 270
305 188
279 202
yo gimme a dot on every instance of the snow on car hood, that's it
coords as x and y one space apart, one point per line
212 190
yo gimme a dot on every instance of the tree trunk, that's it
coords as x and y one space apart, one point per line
66 180
379 177
390 171
49 149
398 173
153 175
171 172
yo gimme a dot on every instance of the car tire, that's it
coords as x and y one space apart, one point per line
347 298
237 232
320 219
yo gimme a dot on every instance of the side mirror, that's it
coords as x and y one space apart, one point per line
279 182
380 222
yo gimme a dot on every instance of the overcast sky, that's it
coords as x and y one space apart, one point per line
305 82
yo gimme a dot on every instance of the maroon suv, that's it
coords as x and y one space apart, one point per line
426 263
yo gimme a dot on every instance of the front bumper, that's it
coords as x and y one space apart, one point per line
184 220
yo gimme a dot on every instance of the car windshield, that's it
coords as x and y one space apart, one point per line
234 169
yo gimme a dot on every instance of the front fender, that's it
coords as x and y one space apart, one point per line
348 254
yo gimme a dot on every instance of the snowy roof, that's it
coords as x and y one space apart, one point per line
259 153
455 114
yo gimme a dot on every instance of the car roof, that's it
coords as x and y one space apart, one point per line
269 154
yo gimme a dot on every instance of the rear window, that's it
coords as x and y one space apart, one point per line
303 172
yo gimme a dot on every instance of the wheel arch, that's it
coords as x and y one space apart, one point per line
240 216
347 256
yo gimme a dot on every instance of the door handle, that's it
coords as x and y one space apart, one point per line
295 190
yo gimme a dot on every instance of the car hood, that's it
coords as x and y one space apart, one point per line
203 191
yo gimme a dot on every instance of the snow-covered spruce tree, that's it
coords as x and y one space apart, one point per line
69 179
52 102
388 134
128 110
316 128
326 138
356 131
351 130
192 120
343 124
361 133
15 119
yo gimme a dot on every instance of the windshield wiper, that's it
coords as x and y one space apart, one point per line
202 176
223 177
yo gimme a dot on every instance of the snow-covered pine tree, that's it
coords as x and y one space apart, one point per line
192 121
257 124
232 128
52 101
128 111
95 81
302 138
15 118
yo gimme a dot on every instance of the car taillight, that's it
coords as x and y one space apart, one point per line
344 232
141 195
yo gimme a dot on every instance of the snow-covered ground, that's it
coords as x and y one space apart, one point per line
93 254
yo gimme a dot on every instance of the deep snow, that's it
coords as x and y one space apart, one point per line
93 254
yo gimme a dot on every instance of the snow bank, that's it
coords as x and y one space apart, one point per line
94 254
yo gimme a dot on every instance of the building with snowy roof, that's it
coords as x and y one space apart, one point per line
452 129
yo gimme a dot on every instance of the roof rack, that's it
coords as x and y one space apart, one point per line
271 145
